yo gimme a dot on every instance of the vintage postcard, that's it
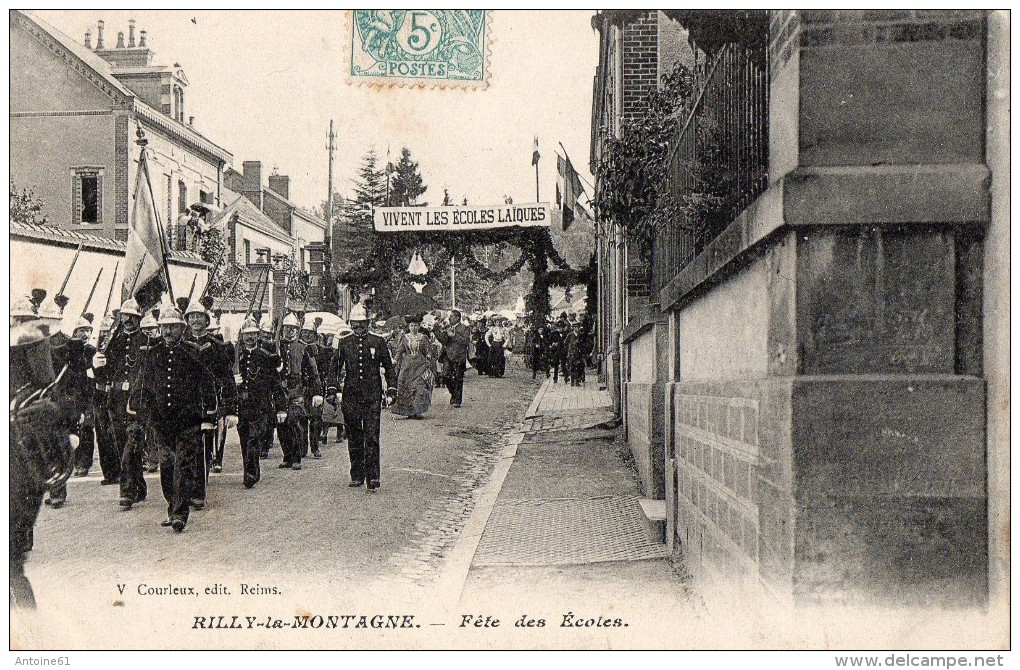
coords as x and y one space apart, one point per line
510 330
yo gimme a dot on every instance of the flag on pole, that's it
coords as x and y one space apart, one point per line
146 277
571 188
535 155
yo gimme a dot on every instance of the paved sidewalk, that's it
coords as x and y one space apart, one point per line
559 528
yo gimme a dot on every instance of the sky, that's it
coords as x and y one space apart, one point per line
264 85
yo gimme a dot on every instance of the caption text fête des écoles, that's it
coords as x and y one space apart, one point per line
398 621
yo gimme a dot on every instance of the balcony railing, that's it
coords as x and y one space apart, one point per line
718 162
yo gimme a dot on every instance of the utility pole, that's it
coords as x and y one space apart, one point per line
328 241
331 148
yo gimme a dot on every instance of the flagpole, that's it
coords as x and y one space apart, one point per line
143 164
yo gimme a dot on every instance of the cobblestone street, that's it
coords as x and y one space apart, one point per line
322 544
522 499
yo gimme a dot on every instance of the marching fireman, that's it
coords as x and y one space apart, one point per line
83 353
324 361
106 445
117 366
355 375
301 380
313 424
168 392
259 387
150 326
216 357
267 340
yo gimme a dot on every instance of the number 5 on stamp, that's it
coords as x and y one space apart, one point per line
420 47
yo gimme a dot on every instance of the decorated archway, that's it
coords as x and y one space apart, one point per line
452 234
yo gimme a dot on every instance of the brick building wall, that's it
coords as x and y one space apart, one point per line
640 62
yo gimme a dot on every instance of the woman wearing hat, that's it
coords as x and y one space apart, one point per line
416 371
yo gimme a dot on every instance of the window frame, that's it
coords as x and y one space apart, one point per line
78 174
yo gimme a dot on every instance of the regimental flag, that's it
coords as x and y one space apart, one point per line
534 154
572 189
145 276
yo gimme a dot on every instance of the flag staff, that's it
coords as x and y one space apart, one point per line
534 160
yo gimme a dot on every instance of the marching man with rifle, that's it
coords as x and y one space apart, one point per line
116 365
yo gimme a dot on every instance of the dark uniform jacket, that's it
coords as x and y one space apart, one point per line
260 387
170 386
75 384
455 346
122 360
300 373
323 361
355 369
218 357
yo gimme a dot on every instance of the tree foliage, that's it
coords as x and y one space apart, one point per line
26 207
632 171
485 259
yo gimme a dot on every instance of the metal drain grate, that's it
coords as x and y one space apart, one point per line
566 532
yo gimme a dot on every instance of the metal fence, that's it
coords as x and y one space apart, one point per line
720 156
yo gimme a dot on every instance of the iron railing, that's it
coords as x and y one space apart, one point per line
719 158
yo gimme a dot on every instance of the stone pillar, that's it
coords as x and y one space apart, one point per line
316 268
829 418
257 271
279 288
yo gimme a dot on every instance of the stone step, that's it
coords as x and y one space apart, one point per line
653 515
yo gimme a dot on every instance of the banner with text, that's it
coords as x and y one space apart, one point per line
456 219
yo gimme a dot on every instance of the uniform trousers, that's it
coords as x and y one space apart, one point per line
314 424
254 427
203 459
453 377
85 452
106 443
129 433
294 431
178 446
362 421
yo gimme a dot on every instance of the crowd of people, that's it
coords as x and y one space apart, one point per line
159 390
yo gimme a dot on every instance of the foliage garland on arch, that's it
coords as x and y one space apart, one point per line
537 252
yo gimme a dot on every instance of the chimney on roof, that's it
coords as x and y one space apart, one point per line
142 42
131 33
99 36
120 39
88 39
253 182
280 184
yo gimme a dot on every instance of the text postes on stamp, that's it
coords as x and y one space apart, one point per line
420 47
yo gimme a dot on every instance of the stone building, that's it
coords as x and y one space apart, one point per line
803 372
75 110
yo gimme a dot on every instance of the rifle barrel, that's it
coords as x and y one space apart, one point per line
74 261
113 282
88 301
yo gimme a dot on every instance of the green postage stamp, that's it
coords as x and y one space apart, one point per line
420 47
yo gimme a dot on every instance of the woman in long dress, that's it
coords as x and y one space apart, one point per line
416 372
495 338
